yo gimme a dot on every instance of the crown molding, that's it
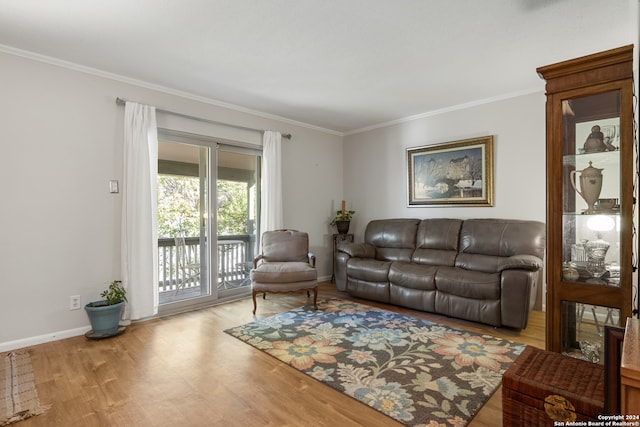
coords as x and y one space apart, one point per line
445 110
159 88
167 90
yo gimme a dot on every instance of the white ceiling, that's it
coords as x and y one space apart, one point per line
341 65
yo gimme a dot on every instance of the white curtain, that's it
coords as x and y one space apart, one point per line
139 211
271 216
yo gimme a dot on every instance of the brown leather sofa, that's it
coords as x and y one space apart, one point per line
483 270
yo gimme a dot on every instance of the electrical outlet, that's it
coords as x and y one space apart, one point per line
74 302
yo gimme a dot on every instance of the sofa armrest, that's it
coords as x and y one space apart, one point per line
357 250
345 251
520 262
518 290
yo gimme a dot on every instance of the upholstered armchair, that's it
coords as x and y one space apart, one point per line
284 265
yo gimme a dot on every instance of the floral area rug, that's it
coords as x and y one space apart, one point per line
418 372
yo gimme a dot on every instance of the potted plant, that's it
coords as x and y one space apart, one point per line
342 219
104 315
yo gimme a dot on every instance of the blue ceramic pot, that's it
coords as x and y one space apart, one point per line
104 319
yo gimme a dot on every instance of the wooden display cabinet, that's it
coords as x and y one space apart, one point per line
590 197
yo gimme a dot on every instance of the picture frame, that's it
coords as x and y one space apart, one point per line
457 173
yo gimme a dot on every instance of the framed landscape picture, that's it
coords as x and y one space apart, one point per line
458 173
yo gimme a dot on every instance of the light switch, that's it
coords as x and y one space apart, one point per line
113 186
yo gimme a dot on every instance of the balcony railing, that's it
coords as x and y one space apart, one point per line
235 255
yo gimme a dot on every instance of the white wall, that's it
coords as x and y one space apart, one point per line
375 176
61 134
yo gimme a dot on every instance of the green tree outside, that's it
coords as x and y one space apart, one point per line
179 207
233 209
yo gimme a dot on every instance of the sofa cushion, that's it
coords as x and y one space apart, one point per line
439 233
502 237
417 299
468 284
283 272
413 276
368 269
434 257
394 239
437 241
285 245
394 254
377 291
485 311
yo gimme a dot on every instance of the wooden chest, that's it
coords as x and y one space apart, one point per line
541 387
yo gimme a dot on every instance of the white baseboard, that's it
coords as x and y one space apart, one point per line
324 278
41 339
55 336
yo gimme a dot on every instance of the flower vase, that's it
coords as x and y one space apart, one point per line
590 186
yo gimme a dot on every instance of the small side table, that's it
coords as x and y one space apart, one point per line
337 238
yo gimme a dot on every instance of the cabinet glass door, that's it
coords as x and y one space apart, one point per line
591 215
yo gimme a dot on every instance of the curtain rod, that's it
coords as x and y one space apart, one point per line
122 101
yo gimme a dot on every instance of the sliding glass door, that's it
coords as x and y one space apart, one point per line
183 183
237 213
203 257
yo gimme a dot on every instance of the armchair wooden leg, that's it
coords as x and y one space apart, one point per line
315 297
253 296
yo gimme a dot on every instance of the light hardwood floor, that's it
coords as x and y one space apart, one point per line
183 370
